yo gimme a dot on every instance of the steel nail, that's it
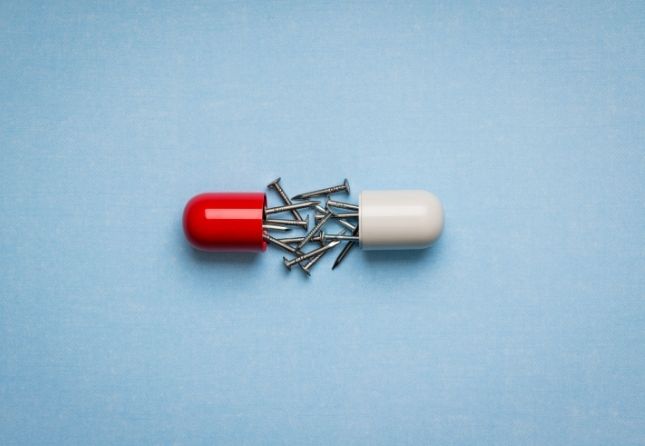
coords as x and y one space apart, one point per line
276 221
272 227
339 216
275 185
279 243
344 214
344 223
290 207
315 230
315 259
342 205
299 239
326 191
345 251
289 263
348 238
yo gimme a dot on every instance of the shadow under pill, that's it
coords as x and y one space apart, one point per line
408 256
239 258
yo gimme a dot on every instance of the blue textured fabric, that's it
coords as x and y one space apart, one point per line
525 324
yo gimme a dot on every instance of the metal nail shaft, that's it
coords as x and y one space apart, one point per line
289 263
326 191
345 251
275 185
315 259
316 238
344 223
339 215
348 238
342 205
279 243
344 214
276 221
272 227
290 207
315 230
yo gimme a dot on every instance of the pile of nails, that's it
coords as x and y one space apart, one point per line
339 213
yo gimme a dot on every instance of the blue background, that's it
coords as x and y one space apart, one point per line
525 324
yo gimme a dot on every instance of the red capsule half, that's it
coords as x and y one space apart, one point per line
226 221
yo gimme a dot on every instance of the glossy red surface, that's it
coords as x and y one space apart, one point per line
226 221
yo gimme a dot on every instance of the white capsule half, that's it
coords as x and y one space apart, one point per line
399 219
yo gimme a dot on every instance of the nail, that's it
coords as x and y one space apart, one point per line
299 239
289 263
343 253
344 238
338 215
276 221
342 205
345 223
344 214
312 262
279 243
271 227
339 218
315 230
315 259
290 207
325 191
275 185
